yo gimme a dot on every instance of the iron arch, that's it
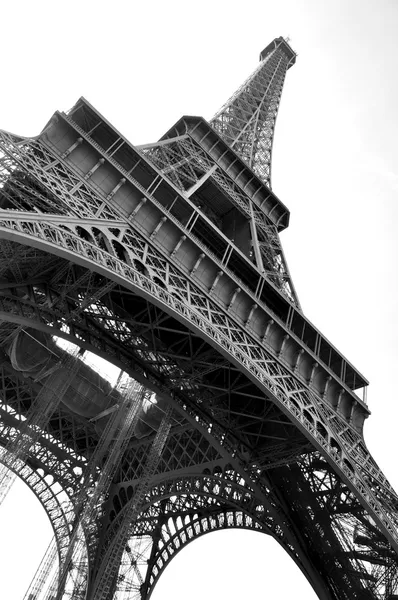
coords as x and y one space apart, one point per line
59 513
200 504
208 326
217 330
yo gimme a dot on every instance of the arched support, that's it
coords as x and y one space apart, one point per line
166 549
178 511
261 367
141 274
57 506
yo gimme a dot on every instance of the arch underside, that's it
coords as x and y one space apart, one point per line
304 496
181 515
180 520
46 488
52 469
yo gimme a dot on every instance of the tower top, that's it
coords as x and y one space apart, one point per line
247 121
284 46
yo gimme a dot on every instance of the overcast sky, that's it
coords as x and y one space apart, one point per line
335 166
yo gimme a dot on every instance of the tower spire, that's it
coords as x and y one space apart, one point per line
247 120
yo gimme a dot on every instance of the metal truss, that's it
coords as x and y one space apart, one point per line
54 501
177 532
41 579
37 417
98 474
359 539
302 416
291 400
38 164
247 120
187 165
182 508
180 521
120 251
113 546
227 334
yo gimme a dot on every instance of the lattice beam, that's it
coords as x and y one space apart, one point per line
247 120
167 261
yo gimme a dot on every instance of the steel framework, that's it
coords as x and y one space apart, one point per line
165 260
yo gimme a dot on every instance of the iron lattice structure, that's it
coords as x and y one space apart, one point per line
166 260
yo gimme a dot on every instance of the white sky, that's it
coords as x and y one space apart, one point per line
335 166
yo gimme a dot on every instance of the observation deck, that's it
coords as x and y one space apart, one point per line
286 47
292 335
206 136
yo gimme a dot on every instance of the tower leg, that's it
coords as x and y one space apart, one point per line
46 402
112 551
40 581
105 460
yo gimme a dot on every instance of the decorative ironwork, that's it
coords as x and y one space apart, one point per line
247 120
166 260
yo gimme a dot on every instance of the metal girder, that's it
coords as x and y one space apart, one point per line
41 477
236 343
180 503
188 166
247 120
36 162
162 365
122 251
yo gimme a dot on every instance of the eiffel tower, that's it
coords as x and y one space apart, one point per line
231 410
